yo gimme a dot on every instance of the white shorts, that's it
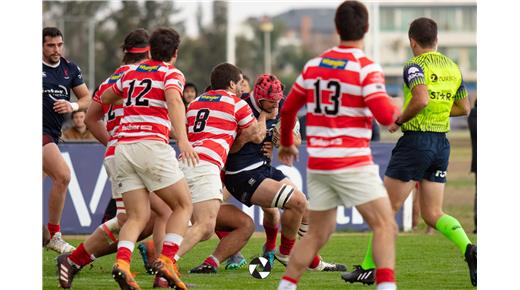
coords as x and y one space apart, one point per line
146 164
110 166
349 188
203 180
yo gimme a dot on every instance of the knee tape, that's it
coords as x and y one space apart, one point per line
110 230
302 231
282 196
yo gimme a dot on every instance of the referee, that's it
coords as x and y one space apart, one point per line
433 92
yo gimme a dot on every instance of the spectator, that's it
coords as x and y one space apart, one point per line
472 124
189 94
79 131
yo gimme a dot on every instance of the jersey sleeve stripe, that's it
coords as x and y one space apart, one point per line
366 70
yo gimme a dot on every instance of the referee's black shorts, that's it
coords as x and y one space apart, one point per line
420 155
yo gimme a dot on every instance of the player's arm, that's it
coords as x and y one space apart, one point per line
295 100
461 105
177 115
83 96
94 121
111 95
414 79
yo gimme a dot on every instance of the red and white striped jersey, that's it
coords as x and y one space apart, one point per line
113 113
340 89
145 114
213 119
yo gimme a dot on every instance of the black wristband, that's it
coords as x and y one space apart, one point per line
397 123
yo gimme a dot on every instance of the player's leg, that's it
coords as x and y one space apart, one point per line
150 249
203 224
56 168
272 193
432 195
239 227
271 223
379 216
321 225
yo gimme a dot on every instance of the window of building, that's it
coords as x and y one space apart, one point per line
472 58
469 18
445 18
388 19
409 14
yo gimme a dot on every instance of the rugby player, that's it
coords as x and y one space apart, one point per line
103 121
144 159
434 91
59 77
343 90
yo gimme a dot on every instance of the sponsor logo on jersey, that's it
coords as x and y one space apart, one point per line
44 74
115 77
147 68
327 62
210 98
414 72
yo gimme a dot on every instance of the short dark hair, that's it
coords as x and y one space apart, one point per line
246 78
51 32
424 31
351 20
164 43
191 85
222 74
78 111
135 39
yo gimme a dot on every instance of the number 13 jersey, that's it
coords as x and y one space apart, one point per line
145 114
336 87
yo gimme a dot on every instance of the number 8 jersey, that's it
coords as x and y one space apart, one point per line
213 120
145 113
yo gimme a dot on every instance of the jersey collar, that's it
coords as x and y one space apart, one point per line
52 65
253 102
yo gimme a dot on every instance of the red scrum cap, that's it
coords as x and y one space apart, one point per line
267 87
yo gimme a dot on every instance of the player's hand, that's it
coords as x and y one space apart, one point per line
188 155
62 107
267 149
393 128
287 155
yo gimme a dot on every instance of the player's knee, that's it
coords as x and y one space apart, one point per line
430 217
207 229
62 178
298 202
248 226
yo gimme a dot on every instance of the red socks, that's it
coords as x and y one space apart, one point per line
53 229
169 250
124 253
212 261
315 262
385 275
270 237
221 234
80 256
286 246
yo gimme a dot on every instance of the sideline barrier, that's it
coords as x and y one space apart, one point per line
89 190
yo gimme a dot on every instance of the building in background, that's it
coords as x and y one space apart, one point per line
457 21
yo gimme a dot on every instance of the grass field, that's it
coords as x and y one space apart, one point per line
423 261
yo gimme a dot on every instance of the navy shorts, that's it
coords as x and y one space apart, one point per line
48 138
420 155
244 184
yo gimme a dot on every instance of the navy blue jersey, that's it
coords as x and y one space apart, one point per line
251 153
57 84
